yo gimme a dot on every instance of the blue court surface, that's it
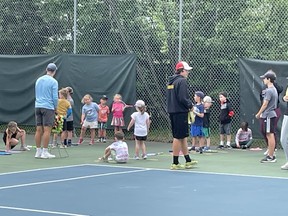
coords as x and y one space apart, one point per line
116 190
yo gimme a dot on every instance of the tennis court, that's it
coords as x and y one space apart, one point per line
112 190
231 182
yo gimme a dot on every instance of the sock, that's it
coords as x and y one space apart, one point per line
69 142
228 144
65 142
45 150
38 149
187 158
175 160
222 143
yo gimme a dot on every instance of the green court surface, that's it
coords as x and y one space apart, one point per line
241 162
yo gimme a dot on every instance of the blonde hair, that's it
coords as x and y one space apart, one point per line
117 96
64 92
12 124
86 96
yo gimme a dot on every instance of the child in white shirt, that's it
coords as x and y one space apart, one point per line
118 150
141 119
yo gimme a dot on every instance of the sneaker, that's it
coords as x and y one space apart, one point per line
206 148
243 147
228 147
63 146
144 156
193 162
189 165
103 159
104 140
136 157
38 154
98 140
24 148
193 148
268 159
47 155
177 167
220 147
285 166
91 142
80 141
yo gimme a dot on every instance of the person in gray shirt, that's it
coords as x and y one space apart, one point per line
267 114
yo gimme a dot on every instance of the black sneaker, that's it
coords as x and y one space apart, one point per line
244 147
268 159
220 147
228 147
192 148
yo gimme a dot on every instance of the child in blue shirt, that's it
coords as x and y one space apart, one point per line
196 129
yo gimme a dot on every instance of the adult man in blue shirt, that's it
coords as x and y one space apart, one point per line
46 93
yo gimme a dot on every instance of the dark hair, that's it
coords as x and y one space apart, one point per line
179 70
244 126
119 135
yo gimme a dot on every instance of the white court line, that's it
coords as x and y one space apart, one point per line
41 211
40 169
70 179
192 171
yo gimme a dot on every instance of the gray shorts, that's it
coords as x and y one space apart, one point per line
225 128
44 117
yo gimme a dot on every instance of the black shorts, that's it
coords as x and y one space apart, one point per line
268 125
68 125
141 138
5 136
179 124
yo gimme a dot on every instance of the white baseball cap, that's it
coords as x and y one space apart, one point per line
139 103
183 65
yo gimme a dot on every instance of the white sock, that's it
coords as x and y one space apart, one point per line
45 150
222 143
38 149
228 144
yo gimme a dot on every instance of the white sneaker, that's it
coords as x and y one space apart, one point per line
24 148
285 166
38 154
47 155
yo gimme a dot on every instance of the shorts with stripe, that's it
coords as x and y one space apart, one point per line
268 125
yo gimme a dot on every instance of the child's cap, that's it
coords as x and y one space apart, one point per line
207 99
224 94
104 97
51 67
199 94
139 103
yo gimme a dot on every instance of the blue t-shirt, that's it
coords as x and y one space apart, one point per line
46 92
198 120
91 112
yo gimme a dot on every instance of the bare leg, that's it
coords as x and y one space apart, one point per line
137 148
92 130
38 136
271 143
46 136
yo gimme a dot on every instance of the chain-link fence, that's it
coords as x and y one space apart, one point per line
214 34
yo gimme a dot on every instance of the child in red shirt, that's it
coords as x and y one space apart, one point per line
102 119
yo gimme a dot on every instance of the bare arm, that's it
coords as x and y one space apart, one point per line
131 123
263 107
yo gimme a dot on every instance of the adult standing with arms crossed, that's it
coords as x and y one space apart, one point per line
178 106
46 94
